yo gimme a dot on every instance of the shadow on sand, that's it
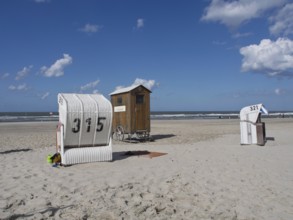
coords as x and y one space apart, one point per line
15 151
126 154
162 136
270 138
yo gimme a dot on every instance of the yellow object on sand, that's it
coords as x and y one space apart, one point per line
49 158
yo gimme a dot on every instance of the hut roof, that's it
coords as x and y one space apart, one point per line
127 89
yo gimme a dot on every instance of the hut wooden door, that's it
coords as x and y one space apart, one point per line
140 112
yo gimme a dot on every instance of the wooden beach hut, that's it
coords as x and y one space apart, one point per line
131 112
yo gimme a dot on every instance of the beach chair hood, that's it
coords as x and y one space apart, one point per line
251 113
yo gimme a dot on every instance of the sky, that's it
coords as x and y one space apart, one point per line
194 55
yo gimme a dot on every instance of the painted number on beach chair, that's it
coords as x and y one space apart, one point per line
77 125
88 121
100 124
253 107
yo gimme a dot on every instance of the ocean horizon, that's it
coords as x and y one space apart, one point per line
154 115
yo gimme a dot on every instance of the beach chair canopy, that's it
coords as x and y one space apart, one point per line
251 113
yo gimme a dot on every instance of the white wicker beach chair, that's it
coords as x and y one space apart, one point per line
252 130
84 130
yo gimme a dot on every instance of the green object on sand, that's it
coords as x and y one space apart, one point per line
49 158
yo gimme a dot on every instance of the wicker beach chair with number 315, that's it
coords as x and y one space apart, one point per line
84 129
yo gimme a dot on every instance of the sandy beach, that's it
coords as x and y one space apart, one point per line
205 174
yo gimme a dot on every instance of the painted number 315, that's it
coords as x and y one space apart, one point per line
88 121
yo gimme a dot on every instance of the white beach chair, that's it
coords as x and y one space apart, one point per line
84 130
251 128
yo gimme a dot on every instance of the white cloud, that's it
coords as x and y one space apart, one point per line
119 87
21 87
283 21
89 86
235 12
149 84
5 75
279 91
44 96
24 72
57 69
91 28
274 58
140 23
241 35
12 87
219 43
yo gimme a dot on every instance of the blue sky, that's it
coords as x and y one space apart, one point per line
194 55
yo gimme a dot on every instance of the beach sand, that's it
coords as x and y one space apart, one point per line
205 174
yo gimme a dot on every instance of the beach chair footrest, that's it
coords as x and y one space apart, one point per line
86 155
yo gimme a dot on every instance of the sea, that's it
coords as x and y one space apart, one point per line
156 115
